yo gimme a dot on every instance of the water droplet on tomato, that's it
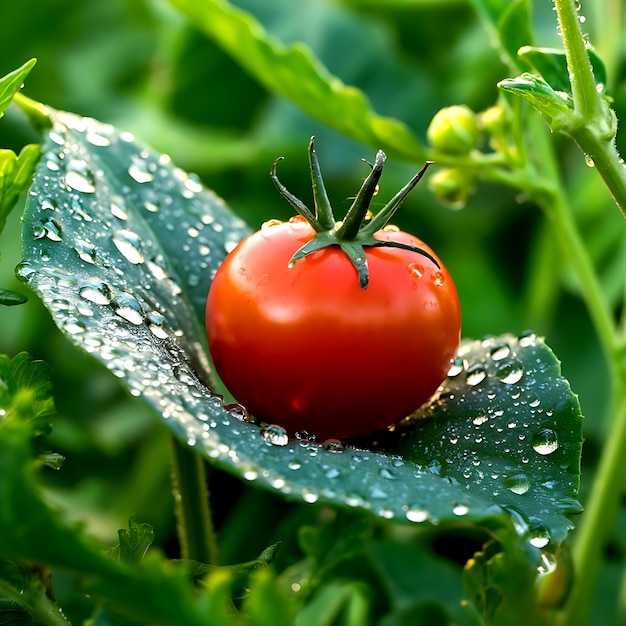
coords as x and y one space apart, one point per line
391 228
545 441
275 435
437 278
270 223
297 223
416 270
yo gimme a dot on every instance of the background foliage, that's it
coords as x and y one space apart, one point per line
142 66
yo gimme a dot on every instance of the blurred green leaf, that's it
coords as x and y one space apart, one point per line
500 584
268 603
12 83
515 28
16 174
555 107
134 542
24 598
342 602
493 10
132 243
11 298
295 73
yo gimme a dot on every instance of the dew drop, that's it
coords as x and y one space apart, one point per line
589 162
275 435
24 271
416 270
511 372
96 291
475 375
545 441
456 367
97 139
480 420
334 445
139 169
500 352
460 509
517 483
270 223
129 244
547 563
48 229
85 251
156 324
297 223
79 176
238 411
437 278
391 228
539 536
527 338
416 514
127 307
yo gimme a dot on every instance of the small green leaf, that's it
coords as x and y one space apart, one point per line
16 175
134 542
515 28
12 83
11 298
295 73
555 107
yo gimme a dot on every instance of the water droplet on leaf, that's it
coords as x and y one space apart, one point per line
545 441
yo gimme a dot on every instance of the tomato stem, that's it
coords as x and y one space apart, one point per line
323 209
354 232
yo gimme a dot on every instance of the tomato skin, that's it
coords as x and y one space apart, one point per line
305 347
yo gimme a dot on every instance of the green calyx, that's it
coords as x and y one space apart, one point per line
356 230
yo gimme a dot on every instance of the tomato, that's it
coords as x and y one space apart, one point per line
304 344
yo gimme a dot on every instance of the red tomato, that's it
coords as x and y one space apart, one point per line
304 346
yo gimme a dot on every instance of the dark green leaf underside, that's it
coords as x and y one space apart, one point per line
121 246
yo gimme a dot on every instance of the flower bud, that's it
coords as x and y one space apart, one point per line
451 186
454 129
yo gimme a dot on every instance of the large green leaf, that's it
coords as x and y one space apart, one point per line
295 73
122 247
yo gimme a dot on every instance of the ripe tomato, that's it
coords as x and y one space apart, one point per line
303 344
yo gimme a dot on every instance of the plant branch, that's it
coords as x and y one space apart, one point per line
38 605
593 124
191 502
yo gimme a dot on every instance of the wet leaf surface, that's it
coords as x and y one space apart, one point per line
121 246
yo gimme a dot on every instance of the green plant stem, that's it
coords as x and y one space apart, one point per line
38 605
593 125
599 520
191 502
